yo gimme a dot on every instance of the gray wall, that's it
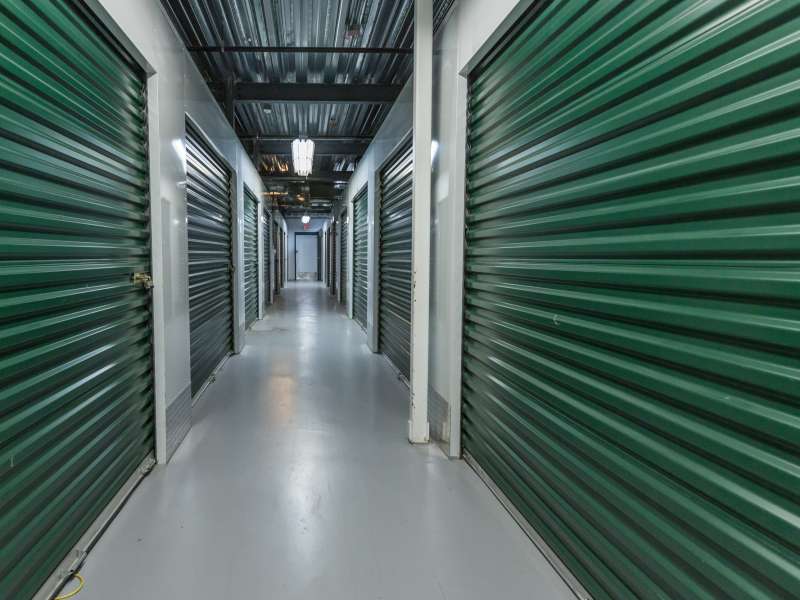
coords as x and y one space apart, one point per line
293 226
175 89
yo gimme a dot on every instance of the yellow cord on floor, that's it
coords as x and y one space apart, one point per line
74 592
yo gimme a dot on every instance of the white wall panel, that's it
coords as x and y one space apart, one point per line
293 226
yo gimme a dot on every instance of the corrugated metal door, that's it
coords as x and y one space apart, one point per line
632 280
360 255
280 247
76 379
210 258
277 250
395 259
332 255
267 274
343 259
327 245
250 258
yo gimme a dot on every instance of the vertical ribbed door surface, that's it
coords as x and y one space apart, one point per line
250 258
332 255
395 259
631 371
76 377
210 258
360 257
343 259
267 241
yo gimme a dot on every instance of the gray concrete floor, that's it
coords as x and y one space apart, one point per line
296 483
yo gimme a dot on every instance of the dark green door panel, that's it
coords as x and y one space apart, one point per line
332 255
250 258
210 257
277 236
343 258
267 222
395 259
76 377
630 375
360 257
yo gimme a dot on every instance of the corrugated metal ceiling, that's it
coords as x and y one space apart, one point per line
302 23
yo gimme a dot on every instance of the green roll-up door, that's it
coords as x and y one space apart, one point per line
360 257
632 280
276 244
250 258
332 255
395 259
343 258
76 378
267 222
210 258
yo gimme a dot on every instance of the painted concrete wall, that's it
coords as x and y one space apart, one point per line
175 89
469 26
293 226
394 129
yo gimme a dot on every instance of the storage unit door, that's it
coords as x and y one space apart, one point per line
276 249
250 258
210 258
343 260
395 260
76 376
332 234
632 281
279 261
267 274
360 254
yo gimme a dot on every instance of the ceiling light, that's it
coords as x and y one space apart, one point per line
303 156
305 219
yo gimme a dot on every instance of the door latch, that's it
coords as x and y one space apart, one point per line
143 279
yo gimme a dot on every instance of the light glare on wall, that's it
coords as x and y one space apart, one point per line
303 156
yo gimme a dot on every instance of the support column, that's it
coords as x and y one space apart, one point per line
418 428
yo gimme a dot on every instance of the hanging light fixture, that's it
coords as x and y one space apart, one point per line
305 219
303 156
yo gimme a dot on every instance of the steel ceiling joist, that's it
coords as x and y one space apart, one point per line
321 148
334 93
297 50
250 138
316 177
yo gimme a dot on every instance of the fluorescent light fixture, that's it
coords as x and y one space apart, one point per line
305 219
303 156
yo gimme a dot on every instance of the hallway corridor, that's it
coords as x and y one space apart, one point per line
296 483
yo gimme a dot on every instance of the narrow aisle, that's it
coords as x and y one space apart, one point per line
296 483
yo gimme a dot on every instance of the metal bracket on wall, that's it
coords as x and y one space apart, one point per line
148 465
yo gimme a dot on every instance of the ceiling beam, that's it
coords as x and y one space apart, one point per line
251 137
321 147
315 177
343 93
298 50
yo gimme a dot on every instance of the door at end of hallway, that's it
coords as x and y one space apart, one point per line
307 254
